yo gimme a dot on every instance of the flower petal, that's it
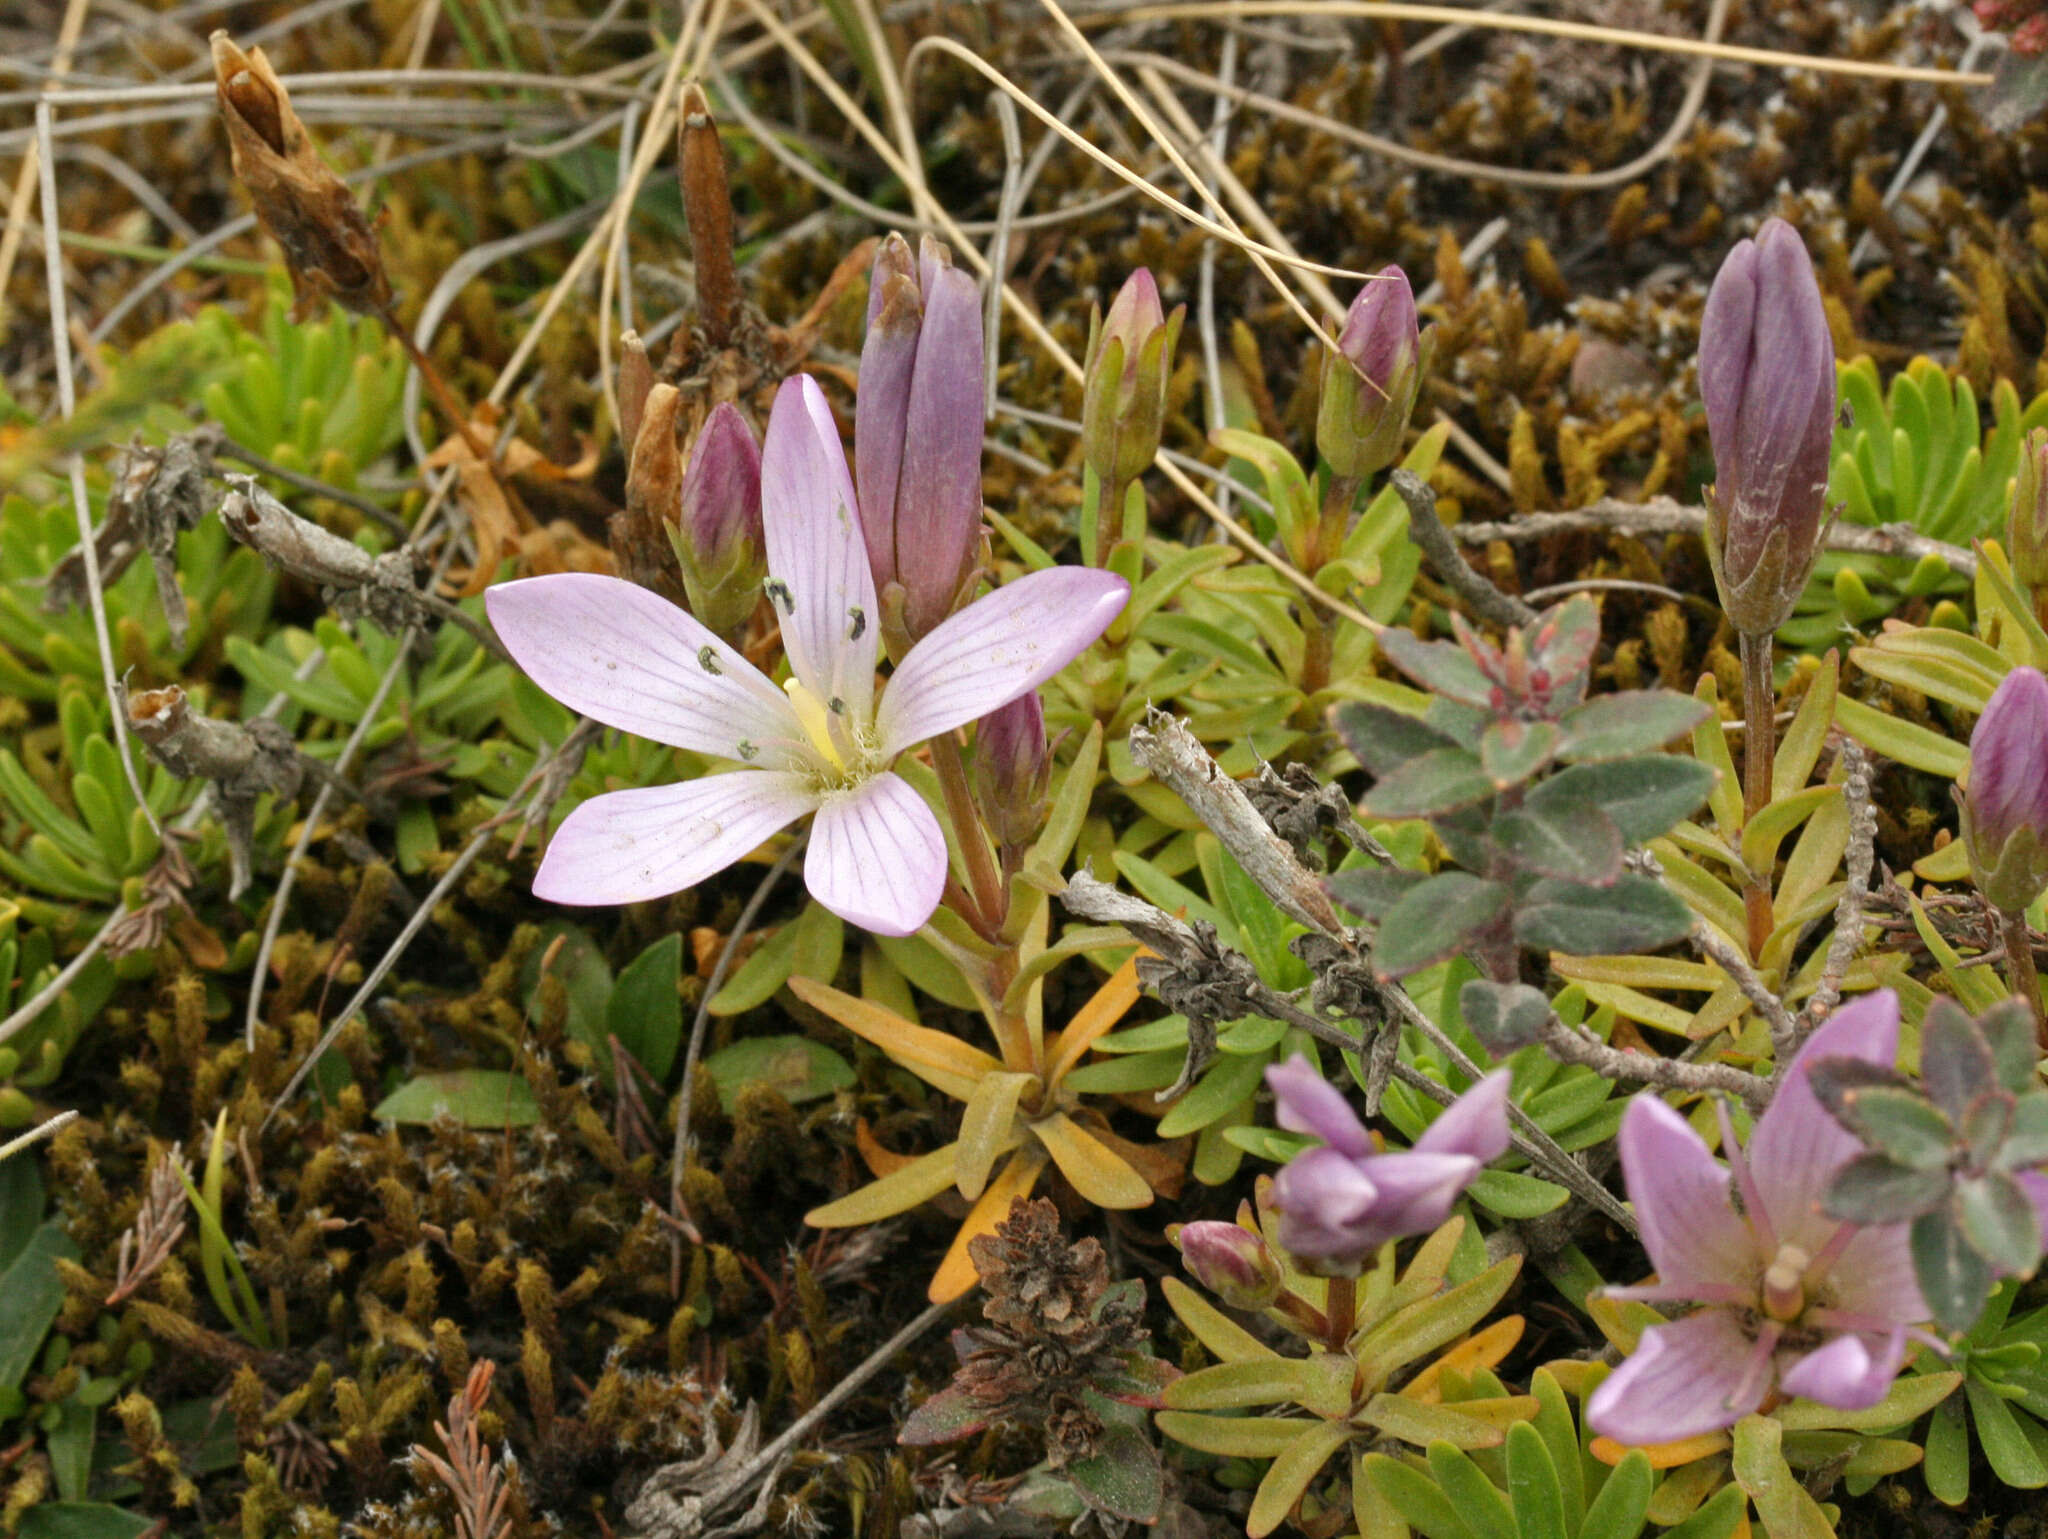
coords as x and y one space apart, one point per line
632 660
1321 1196
1874 1275
1796 1147
877 857
1001 645
819 580
628 846
1680 1381
1308 1103
1416 1191
1475 1124
1680 1193
1851 1373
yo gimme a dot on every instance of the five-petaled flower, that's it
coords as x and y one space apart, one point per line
1339 1204
822 742
1796 1303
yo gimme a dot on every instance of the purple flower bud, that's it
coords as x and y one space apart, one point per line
1012 769
1231 1262
2027 525
2005 808
917 430
1371 378
1340 1203
1767 376
1130 356
718 538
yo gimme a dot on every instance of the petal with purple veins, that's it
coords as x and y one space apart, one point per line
1873 1276
1682 1380
632 660
629 846
1308 1103
1680 1194
1001 645
819 581
877 857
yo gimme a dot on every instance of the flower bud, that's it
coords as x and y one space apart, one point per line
2005 807
718 540
1371 378
302 205
1130 356
1012 770
1231 1262
917 430
2027 524
1767 377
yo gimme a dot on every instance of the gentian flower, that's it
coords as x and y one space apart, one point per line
1340 1203
1371 378
1795 1302
2005 809
1231 1261
716 533
821 743
1012 770
1767 379
1129 360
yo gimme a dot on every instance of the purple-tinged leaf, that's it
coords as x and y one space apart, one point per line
1443 780
946 1417
1954 1279
1634 721
1644 796
1436 920
1513 751
1872 1189
1635 913
1577 843
1956 1061
1383 739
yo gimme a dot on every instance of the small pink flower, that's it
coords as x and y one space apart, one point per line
822 742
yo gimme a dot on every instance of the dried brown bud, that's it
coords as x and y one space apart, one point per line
636 378
329 248
244 760
654 481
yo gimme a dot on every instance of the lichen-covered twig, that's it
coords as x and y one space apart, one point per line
242 760
1574 1044
1663 516
1428 531
1857 865
156 494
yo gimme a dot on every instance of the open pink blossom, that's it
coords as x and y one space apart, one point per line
1795 1302
821 743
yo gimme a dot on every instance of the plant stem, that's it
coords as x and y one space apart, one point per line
458 418
2019 966
984 881
1341 1312
1759 751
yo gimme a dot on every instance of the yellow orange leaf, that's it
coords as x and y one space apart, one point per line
880 1161
942 1061
989 1129
1663 1456
1104 1009
956 1274
1104 1178
919 1181
1481 1351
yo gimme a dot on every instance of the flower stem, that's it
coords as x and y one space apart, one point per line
1341 1312
984 881
1759 751
2019 966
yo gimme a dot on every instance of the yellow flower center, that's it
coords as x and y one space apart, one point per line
816 717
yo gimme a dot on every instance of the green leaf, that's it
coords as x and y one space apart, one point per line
1717 1518
1999 1222
1512 751
645 1010
807 947
796 1067
1947 1465
80 1520
1634 721
1369 891
1636 913
1514 1194
1533 1486
584 973
1123 1477
2004 1441
1229 1082
1644 796
69 1445
1479 1502
1321 1384
1383 739
1575 843
1290 1473
1872 1189
1415 1496
1437 666
476 1098
1623 1505
1442 780
31 1293
1414 1421
1953 1278
945 1417
1901 1122
1503 1016
1435 920
1788 1512
1432 1322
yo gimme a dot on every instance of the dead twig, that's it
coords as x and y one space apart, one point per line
1428 531
157 1227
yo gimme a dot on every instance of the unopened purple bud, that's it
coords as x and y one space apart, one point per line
2027 525
1767 376
2005 809
917 431
718 536
1371 378
1231 1262
1012 769
1130 357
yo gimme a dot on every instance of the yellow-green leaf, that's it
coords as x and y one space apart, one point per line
940 1060
1223 1336
1288 1476
898 1192
988 1129
1096 1171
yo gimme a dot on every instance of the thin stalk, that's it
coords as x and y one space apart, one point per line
984 881
452 409
1759 752
1341 1312
2019 966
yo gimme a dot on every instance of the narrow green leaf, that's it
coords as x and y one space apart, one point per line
1533 1486
1290 1473
1623 1505
1478 1500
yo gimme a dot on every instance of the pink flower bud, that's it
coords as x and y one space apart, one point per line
718 538
1130 357
1371 378
2005 808
2027 524
917 429
1012 770
1231 1262
1767 377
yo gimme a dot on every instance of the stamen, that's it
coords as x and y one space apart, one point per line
1784 1294
1753 1207
1680 1293
817 722
1831 1252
